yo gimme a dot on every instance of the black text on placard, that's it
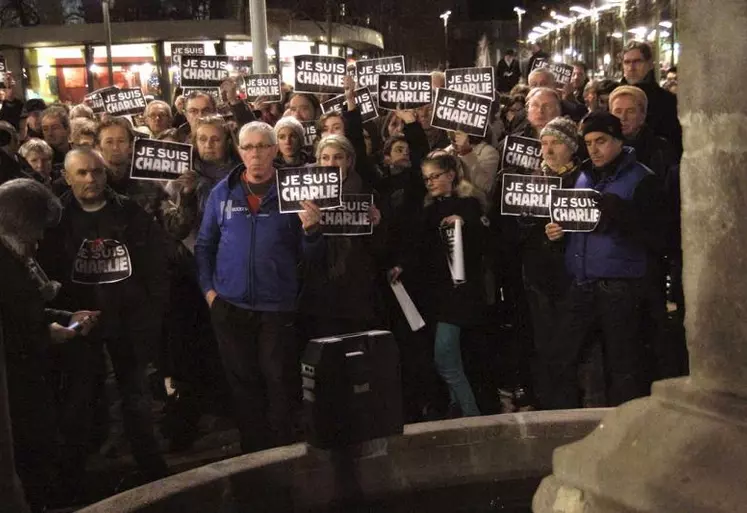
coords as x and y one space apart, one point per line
265 85
575 210
368 71
320 74
322 185
471 80
97 101
160 160
363 100
121 102
538 63
204 71
351 219
527 195
309 133
405 91
212 91
466 112
187 49
101 261
522 153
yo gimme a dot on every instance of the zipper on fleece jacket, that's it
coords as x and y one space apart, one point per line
252 292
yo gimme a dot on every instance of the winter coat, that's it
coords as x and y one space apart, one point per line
134 303
617 248
543 260
438 297
661 115
481 167
249 259
507 75
304 157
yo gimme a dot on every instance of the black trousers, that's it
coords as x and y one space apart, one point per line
613 305
260 356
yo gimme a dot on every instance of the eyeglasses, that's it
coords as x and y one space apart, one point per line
251 147
434 177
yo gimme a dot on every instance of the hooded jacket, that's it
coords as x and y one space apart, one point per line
251 260
617 248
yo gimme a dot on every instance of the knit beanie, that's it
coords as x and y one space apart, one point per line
602 122
563 129
292 123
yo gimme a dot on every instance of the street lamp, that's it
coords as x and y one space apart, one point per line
445 17
108 28
519 12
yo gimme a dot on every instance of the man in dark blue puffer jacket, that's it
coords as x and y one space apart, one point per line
608 266
247 255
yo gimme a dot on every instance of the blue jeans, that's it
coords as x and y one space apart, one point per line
448 359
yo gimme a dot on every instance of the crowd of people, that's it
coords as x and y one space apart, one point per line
199 289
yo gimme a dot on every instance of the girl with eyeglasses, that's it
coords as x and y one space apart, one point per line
448 308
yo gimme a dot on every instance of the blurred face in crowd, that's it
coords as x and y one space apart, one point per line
288 142
577 77
396 126
115 146
541 78
55 133
333 126
603 148
33 122
86 177
542 108
158 118
590 99
333 156
630 113
424 115
603 102
437 181
83 140
257 153
211 143
555 152
196 108
179 104
514 110
301 108
40 163
635 66
400 155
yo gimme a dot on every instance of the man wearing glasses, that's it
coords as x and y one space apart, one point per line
247 256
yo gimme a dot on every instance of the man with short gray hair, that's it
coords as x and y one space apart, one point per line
158 117
247 256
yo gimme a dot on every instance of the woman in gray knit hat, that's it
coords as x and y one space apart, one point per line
290 134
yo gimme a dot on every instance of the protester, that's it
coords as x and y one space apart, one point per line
304 107
330 123
82 132
480 161
12 165
243 234
158 117
114 139
507 73
55 125
11 108
546 281
32 111
451 306
537 53
544 78
579 80
290 135
27 208
38 154
607 267
196 105
100 226
638 70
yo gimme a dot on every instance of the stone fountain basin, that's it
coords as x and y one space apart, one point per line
429 455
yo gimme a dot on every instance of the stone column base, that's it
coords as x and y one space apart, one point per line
682 450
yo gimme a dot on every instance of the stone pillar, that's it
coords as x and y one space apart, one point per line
685 447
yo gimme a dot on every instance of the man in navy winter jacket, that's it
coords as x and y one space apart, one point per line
608 266
247 255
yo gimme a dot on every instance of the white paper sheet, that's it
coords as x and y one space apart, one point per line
408 307
456 258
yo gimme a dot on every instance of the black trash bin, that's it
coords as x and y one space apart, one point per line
351 389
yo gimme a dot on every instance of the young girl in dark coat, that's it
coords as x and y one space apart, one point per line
451 307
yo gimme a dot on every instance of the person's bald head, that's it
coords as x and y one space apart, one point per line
541 77
85 173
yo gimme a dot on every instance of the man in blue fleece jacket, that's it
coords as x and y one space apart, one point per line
247 255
